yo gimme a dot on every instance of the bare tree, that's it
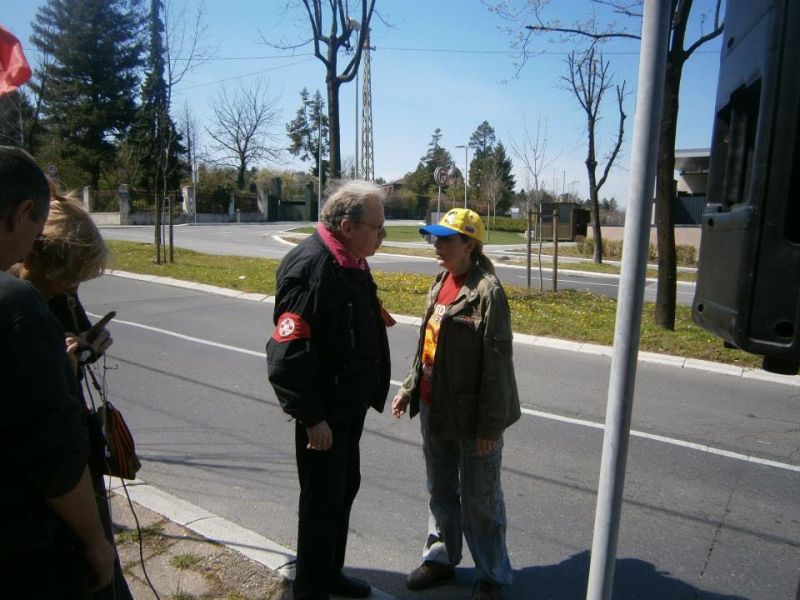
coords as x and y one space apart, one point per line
589 80
243 130
333 27
677 54
532 152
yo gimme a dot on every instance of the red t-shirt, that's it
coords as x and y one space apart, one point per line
447 293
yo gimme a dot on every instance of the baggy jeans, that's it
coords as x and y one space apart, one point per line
465 498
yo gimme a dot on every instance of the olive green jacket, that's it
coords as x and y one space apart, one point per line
474 388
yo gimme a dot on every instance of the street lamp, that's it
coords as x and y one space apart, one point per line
466 168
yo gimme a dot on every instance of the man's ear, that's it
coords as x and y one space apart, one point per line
22 213
346 227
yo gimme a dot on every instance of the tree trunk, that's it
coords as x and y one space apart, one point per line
591 166
334 152
596 231
665 194
240 173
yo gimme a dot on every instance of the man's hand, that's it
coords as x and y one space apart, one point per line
399 405
320 436
485 446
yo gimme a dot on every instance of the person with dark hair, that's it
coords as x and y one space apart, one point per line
462 384
328 362
69 251
52 543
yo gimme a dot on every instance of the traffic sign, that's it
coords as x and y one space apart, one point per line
440 175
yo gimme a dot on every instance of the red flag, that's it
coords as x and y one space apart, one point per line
14 69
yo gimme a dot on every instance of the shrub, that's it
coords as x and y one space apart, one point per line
686 256
507 224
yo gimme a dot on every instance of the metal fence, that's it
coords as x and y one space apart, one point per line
105 201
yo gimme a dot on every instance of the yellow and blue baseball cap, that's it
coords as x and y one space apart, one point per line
458 220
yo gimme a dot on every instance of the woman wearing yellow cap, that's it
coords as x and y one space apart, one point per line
463 386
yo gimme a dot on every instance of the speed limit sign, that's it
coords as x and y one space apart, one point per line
440 175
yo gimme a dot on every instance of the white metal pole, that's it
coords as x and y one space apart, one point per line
644 151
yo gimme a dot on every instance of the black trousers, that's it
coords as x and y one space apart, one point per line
329 482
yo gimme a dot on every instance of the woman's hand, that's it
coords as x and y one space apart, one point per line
73 344
399 405
100 344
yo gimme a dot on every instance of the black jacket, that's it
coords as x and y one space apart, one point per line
330 347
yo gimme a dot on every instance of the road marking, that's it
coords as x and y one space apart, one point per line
659 438
668 440
527 411
190 338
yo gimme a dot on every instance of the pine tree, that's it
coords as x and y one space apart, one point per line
15 112
89 84
505 167
155 139
304 132
421 179
482 165
482 139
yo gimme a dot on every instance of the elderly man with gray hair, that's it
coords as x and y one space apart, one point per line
328 362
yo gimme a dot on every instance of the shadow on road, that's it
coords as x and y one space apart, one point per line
634 579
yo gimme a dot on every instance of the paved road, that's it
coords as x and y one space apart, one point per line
258 240
189 373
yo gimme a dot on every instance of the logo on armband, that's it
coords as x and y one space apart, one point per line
291 327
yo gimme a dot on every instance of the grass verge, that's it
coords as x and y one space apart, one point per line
515 258
567 314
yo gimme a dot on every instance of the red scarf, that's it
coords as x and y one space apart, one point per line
342 255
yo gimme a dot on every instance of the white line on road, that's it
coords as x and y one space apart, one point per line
527 411
189 338
667 440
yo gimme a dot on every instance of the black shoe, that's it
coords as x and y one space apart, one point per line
485 590
428 574
349 587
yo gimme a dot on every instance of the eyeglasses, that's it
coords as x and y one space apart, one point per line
371 226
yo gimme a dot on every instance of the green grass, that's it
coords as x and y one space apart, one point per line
567 314
184 561
131 536
410 233
402 233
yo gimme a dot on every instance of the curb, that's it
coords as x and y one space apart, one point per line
215 528
519 338
205 523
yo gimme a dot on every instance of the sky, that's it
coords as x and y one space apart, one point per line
446 64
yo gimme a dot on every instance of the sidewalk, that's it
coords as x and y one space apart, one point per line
190 554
